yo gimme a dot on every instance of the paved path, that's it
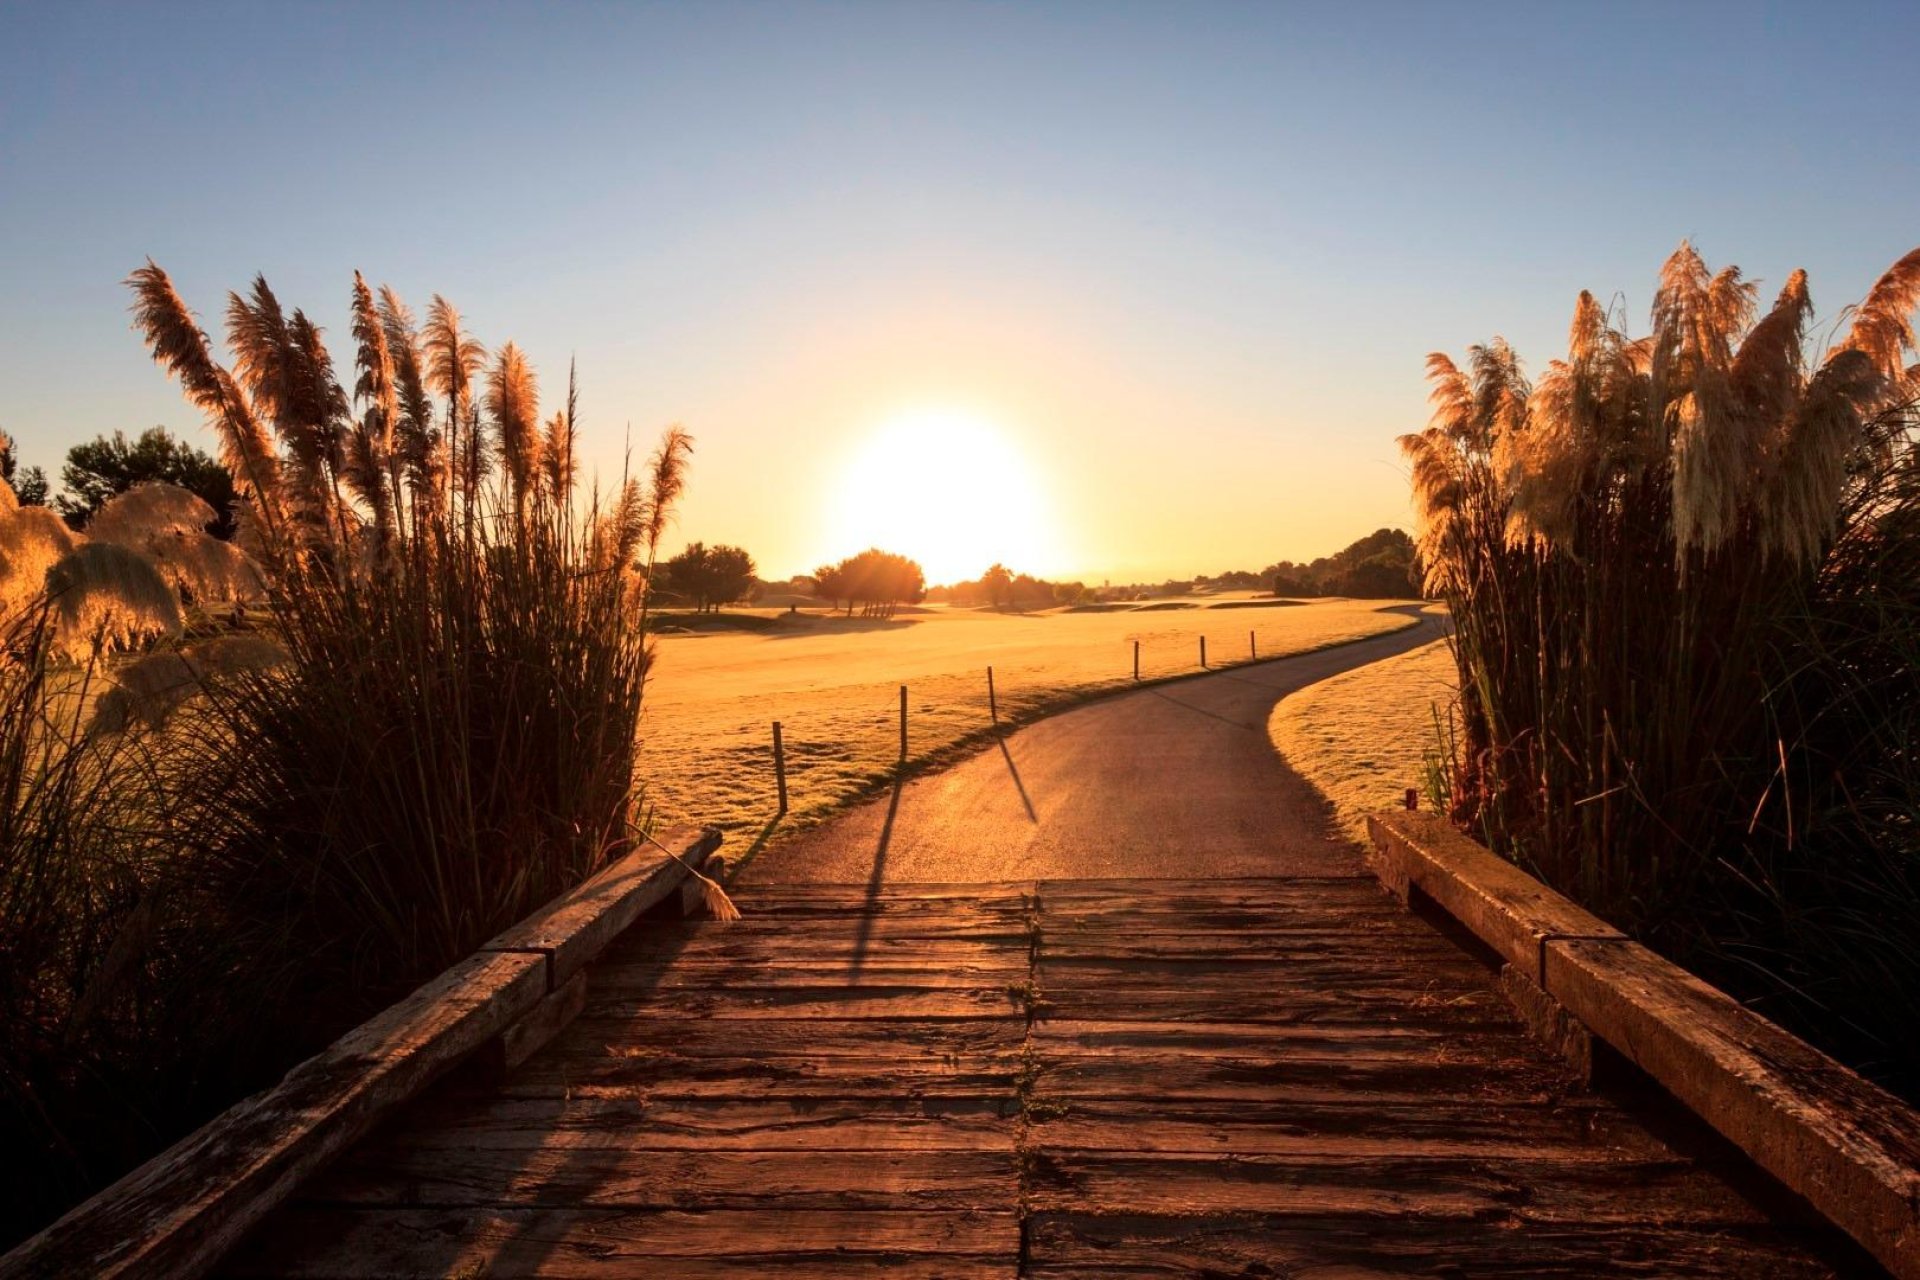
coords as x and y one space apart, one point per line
1173 780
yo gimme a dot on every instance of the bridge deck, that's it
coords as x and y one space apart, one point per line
1068 1078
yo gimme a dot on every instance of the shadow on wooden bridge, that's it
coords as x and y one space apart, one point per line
1053 1078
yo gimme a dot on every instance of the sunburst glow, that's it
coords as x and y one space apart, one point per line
950 490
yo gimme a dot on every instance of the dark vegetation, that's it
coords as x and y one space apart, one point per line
1001 588
110 465
216 857
1685 575
878 581
29 484
1379 566
705 577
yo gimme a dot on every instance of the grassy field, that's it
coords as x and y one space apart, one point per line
1363 737
834 683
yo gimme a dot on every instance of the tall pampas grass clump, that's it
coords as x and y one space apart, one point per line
1684 569
450 740
97 1042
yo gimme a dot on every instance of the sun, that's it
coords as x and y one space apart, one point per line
949 489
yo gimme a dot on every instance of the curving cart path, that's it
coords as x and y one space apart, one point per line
1171 780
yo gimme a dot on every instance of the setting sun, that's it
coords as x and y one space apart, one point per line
950 490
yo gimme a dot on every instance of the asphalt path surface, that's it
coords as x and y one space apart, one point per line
1174 780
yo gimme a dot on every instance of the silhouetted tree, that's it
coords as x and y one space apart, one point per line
710 576
29 484
997 585
879 581
110 465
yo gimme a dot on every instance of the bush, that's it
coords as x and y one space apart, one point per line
217 857
1685 579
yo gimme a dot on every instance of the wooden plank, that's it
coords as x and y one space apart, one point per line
649 1178
178 1213
1503 1077
849 951
589 1244
1250 1004
1357 1126
1848 1146
1062 1244
1502 905
1255 1041
631 981
837 1000
541 1024
1552 1184
691 1124
579 924
593 1035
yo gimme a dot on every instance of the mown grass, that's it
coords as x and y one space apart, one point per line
1364 736
706 734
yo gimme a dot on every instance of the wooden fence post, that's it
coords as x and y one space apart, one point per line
1136 659
780 766
1203 651
993 703
903 724
1252 652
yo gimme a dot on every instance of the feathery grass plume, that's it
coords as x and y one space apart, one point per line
712 896
181 348
206 569
148 690
373 466
1882 328
416 441
667 472
364 471
283 366
454 359
621 531
148 511
105 596
168 523
144 691
1716 450
557 458
513 406
32 540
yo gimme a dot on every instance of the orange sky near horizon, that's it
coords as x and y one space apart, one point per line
1178 267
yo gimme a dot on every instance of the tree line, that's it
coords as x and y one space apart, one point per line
101 469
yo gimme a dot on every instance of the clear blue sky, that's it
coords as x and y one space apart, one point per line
1187 258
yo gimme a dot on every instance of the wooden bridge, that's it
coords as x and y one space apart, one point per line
1257 1077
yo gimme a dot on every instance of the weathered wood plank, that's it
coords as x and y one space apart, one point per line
713 1124
1354 1127
649 1178
589 1244
1278 1078
640 1036
1364 1244
577 926
1549 1185
746 1000
177 1214
1502 905
1850 1147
